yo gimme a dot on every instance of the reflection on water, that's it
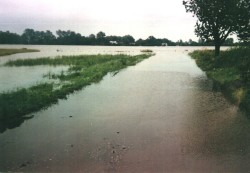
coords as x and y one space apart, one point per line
159 116
13 123
223 128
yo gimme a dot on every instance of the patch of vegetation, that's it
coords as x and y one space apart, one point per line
4 52
83 71
230 72
80 61
146 51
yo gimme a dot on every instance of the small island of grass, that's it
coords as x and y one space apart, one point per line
4 52
146 51
83 70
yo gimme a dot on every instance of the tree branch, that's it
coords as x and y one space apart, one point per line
223 38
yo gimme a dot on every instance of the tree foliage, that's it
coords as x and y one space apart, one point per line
30 36
244 30
9 38
100 35
217 19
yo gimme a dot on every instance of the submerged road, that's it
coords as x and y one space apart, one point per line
158 116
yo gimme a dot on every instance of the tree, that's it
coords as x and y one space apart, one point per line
9 38
28 36
217 19
100 35
69 37
128 40
139 42
152 41
180 42
101 40
229 42
243 32
92 36
49 37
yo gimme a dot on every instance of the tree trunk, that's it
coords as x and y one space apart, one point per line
217 49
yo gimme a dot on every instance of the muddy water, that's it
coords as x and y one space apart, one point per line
158 116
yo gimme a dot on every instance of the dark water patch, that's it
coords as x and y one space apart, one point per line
13 123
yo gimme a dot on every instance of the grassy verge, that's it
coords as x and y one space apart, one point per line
4 52
83 71
230 72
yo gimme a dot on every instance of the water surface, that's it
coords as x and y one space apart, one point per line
158 116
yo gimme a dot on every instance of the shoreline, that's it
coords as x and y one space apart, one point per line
229 73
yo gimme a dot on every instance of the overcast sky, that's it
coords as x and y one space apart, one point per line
160 18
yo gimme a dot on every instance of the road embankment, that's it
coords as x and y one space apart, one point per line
230 72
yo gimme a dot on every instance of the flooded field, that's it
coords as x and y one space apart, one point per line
158 116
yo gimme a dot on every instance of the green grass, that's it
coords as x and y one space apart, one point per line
230 72
4 52
83 71
82 60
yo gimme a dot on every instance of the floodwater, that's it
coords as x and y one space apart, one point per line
158 116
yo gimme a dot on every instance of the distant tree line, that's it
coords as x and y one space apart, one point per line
30 36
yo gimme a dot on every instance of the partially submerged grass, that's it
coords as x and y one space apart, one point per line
146 51
230 72
83 71
24 101
4 52
80 60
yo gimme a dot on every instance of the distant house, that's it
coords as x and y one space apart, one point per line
164 44
113 42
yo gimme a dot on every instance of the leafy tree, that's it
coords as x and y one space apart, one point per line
152 41
244 30
217 19
180 42
49 37
128 40
139 42
100 35
244 35
169 42
229 42
9 38
28 36
69 37
101 38
92 36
